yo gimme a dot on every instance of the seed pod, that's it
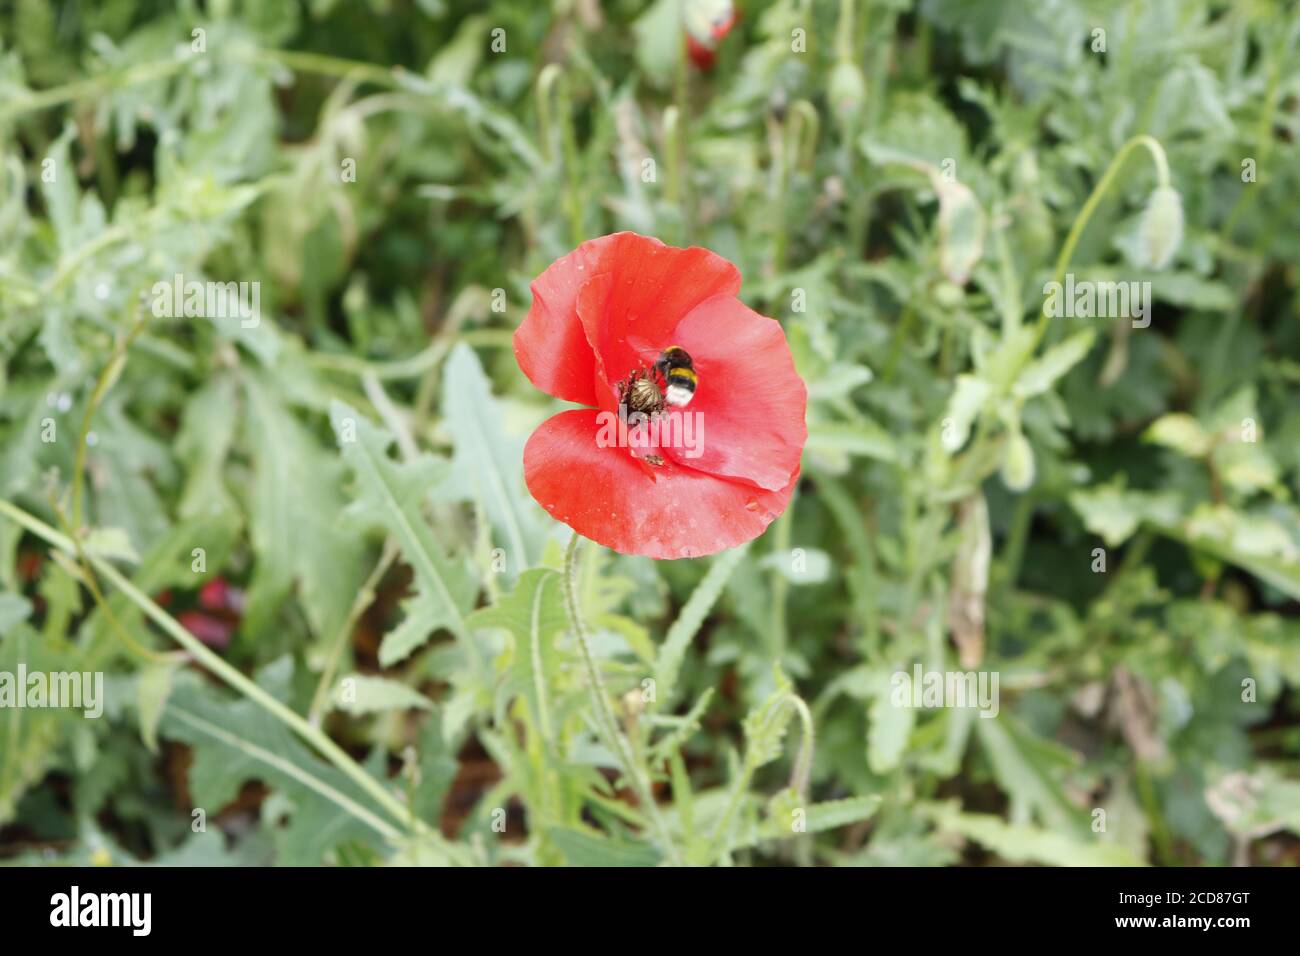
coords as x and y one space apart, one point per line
847 89
1018 463
1161 229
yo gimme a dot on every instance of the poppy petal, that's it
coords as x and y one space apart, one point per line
592 301
651 287
655 286
607 495
550 344
750 403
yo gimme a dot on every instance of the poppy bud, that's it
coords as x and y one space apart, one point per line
1161 229
707 22
847 89
1018 463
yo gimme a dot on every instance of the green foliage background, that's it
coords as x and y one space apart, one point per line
397 688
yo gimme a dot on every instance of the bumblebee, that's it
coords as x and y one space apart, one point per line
672 382
678 373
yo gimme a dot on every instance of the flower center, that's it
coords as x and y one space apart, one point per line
639 394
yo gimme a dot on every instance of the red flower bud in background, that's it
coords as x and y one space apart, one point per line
221 605
707 22
695 421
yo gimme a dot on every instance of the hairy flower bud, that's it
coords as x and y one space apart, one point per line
1161 229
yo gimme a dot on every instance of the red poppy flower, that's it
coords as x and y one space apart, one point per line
707 22
685 481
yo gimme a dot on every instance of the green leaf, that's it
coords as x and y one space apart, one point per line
963 406
962 226
1181 432
14 609
436 768
1256 804
658 32
1026 770
889 730
534 616
488 465
586 848
1042 373
1255 543
834 443
203 443
1030 844
237 740
389 497
828 815
1115 513
799 565
152 689
111 543
295 528
766 724
364 694
672 652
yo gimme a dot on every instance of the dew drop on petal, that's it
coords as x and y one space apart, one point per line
751 504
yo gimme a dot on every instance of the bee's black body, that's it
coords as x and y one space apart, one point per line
678 371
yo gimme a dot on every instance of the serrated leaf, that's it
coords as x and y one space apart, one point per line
487 464
533 614
766 724
389 496
1115 513
672 652
236 741
1026 774
296 534
827 815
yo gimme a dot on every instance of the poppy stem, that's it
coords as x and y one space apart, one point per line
1099 191
635 774
782 531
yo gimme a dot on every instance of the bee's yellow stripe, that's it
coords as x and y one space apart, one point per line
682 376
